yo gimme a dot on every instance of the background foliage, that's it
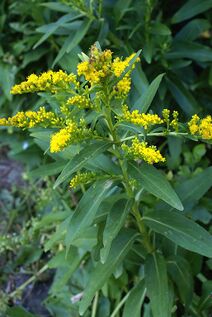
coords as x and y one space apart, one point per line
176 41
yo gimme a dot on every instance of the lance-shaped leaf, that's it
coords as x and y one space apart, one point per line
135 300
143 103
87 209
114 223
157 285
180 272
180 230
154 182
79 160
100 274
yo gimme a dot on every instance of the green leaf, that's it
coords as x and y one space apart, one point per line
190 50
114 223
180 230
192 30
66 264
160 29
157 285
135 300
50 29
100 274
190 9
121 8
143 103
80 159
48 169
73 40
86 210
18 311
193 189
180 272
182 95
155 183
55 6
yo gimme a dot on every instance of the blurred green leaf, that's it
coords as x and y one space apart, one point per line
193 189
182 95
190 9
73 40
18 311
192 30
158 28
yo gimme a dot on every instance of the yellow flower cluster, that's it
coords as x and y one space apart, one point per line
80 101
175 123
145 120
61 139
71 133
97 67
123 87
47 81
30 119
118 65
201 127
82 178
166 115
100 65
141 150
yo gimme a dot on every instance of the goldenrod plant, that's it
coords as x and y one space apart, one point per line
111 154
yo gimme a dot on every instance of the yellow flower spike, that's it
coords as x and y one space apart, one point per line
193 124
82 178
30 119
47 81
141 150
81 102
118 65
61 139
205 128
201 127
174 123
123 86
3 122
142 119
166 115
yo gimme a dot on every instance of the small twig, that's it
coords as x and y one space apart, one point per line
30 280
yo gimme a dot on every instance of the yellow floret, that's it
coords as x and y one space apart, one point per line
142 119
141 150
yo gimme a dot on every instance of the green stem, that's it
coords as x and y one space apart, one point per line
30 280
141 226
119 305
156 134
94 306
